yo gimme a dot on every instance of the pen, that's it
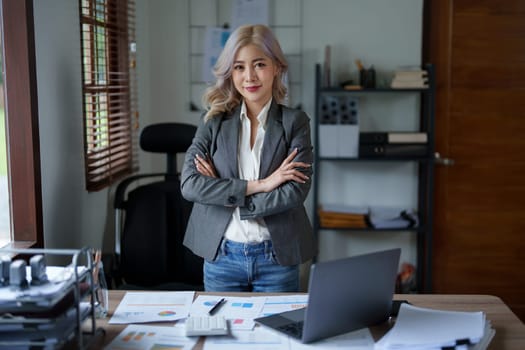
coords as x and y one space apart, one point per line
96 265
216 307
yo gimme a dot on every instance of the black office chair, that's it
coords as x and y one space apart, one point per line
151 221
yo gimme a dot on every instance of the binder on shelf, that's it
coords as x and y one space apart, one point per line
393 150
373 138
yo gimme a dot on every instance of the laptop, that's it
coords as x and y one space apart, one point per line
343 295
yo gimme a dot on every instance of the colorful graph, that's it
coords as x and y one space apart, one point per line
211 302
136 336
243 305
167 347
167 313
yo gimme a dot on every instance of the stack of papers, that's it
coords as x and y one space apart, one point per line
420 328
392 218
43 296
138 308
410 78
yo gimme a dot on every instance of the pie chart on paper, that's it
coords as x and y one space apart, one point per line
167 313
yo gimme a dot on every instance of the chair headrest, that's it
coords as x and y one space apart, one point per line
167 137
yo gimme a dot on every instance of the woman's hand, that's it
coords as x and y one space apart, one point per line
205 166
286 172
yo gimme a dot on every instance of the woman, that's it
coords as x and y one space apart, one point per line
248 172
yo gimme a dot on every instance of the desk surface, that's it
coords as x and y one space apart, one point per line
510 331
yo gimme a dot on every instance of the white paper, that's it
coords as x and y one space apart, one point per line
240 312
250 12
360 339
428 328
140 307
281 303
152 337
390 217
214 41
257 339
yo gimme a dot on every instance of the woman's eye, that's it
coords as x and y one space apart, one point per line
260 65
238 67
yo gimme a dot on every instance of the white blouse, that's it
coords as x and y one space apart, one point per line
249 161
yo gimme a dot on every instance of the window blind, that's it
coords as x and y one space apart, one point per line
110 113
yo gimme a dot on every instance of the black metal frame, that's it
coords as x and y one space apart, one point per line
425 170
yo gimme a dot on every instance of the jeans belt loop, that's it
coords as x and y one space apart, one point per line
267 249
223 247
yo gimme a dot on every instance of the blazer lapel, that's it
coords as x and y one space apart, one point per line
272 138
229 139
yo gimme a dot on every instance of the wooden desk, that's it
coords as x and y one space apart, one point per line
510 331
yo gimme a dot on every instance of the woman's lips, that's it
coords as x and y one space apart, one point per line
252 88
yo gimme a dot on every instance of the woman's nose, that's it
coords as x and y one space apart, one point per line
250 73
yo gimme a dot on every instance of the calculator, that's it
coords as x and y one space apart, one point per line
206 325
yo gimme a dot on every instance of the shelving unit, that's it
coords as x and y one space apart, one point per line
51 315
425 167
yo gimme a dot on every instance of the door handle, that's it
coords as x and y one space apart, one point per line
443 161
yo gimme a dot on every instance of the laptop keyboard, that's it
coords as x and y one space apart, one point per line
293 329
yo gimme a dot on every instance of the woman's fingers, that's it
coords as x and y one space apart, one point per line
292 155
204 167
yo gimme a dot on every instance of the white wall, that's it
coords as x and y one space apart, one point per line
72 217
387 35
379 32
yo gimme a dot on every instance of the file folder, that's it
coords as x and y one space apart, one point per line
393 150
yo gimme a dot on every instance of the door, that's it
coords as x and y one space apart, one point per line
478 48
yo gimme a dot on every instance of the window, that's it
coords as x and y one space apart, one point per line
21 114
5 211
109 90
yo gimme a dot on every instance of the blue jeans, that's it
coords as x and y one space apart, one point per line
242 267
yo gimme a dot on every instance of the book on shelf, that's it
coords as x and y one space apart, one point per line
343 216
343 222
409 79
344 208
370 137
407 137
409 84
411 74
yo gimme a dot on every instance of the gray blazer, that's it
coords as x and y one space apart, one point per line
216 198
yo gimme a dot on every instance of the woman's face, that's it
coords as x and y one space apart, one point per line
253 75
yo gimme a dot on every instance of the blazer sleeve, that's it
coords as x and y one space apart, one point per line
290 194
197 188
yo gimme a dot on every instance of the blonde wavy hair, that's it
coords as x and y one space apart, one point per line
222 96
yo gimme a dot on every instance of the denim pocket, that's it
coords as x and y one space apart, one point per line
273 258
221 251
